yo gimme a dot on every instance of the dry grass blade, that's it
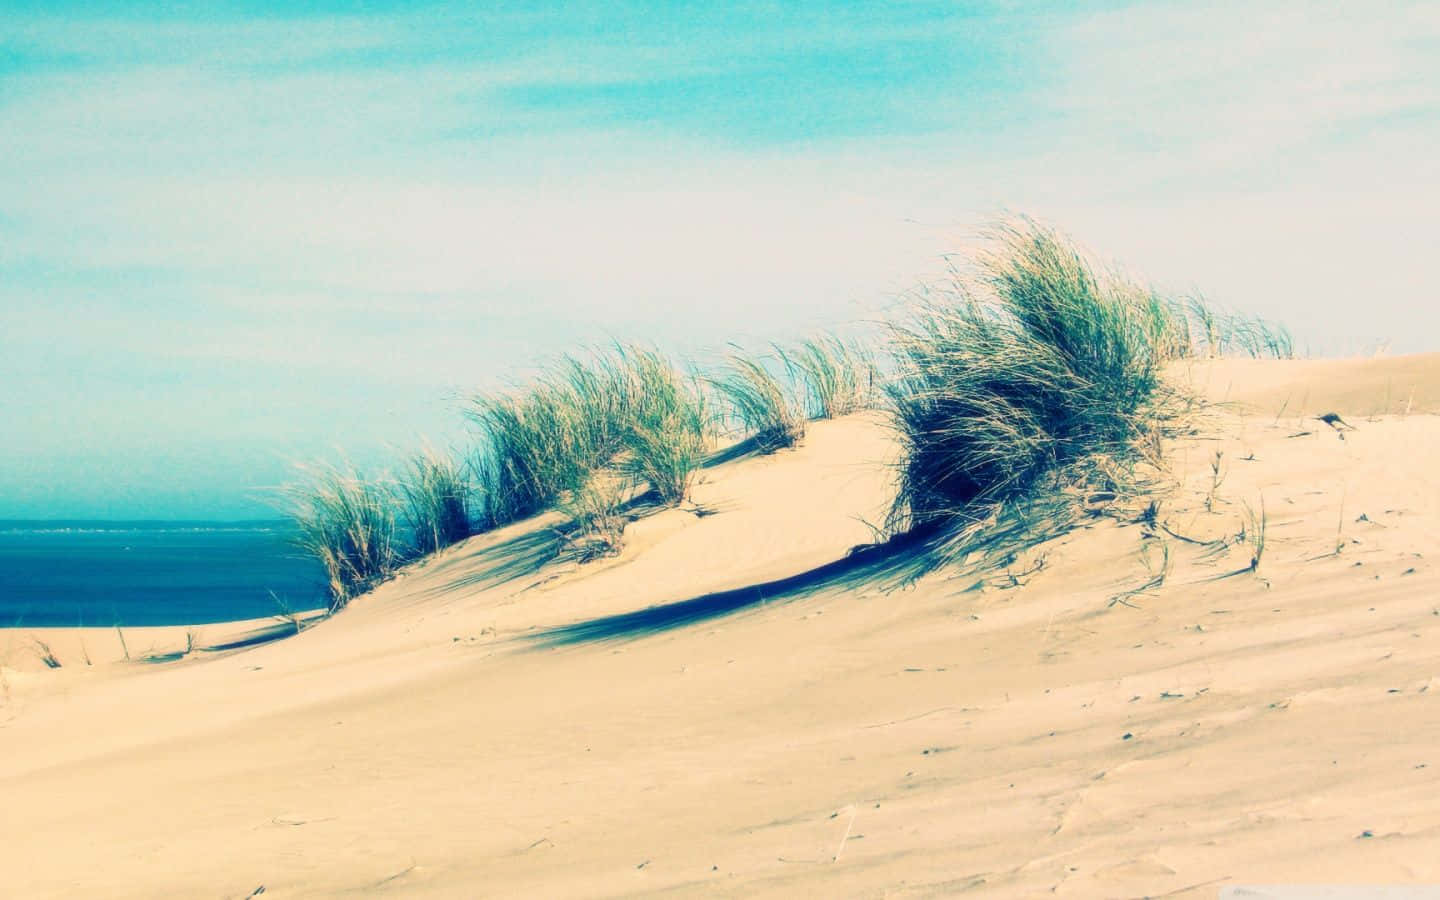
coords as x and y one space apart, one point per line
1252 534
597 518
1157 574
46 655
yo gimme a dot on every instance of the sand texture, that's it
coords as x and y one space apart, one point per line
479 727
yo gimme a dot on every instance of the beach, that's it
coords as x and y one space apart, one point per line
1241 686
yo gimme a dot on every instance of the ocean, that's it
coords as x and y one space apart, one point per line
104 573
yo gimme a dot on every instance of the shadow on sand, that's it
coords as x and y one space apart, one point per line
740 450
285 628
524 554
264 635
888 565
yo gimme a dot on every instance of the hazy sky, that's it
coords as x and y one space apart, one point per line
238 235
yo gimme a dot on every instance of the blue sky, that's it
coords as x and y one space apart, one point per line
238 236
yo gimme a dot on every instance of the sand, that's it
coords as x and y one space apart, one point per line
1012 737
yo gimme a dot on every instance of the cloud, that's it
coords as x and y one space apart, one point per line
1225 88
296 230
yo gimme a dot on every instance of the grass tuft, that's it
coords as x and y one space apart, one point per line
437 498
597 518
664 430
1007 377
759 403
537 447
348 525
628 408
839 376
1215 333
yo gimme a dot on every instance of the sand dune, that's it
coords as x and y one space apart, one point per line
454 734
1398 385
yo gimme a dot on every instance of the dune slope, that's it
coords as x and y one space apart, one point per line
1050 728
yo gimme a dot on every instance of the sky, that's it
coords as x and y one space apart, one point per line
238 237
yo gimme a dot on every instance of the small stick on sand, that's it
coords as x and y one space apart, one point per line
1044 635
841 848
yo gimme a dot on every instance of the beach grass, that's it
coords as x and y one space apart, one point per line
839 376
348 524
758 403
628 408
1261 338
1036 361
536 447
1030 373
1216 332
666 435
596 516
438 497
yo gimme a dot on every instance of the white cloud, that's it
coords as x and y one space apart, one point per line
342 227
1218 86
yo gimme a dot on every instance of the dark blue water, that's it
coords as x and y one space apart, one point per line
150 573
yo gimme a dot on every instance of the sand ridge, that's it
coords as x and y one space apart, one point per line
1007 736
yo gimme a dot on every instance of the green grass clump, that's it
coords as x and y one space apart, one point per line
1260 338
1216 333
348 525
839 377
628 407
1170 332
759 403
539 443
665 431
1206 327
1003 380
437 499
